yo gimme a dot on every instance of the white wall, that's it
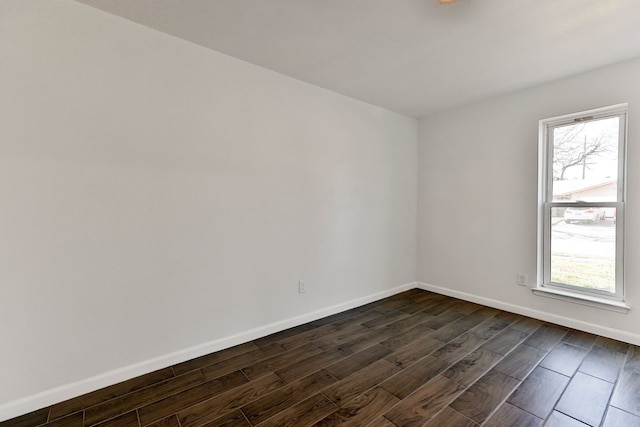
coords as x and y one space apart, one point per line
478 198
158 196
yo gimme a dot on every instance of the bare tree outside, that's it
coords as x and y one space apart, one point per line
578 147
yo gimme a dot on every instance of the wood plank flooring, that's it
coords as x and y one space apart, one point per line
415 359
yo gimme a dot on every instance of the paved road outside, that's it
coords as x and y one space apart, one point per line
589 240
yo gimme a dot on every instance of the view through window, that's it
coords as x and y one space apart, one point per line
582 194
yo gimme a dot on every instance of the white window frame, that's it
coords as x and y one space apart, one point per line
596 298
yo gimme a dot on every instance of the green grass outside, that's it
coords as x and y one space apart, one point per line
593 273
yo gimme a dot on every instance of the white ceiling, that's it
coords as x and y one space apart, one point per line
415 57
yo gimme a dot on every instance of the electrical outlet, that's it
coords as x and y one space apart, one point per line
301 288
521 279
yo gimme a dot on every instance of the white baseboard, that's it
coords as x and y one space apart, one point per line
58 394
49 397
537 314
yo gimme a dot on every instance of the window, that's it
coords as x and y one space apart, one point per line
581 206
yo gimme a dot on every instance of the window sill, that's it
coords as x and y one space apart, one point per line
591 301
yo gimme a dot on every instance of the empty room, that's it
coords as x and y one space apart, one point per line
319 212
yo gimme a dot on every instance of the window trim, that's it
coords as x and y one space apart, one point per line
588 300
544 286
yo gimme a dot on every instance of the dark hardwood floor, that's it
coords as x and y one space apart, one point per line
414 359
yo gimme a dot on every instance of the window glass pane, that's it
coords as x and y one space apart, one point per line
585 161
583 247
